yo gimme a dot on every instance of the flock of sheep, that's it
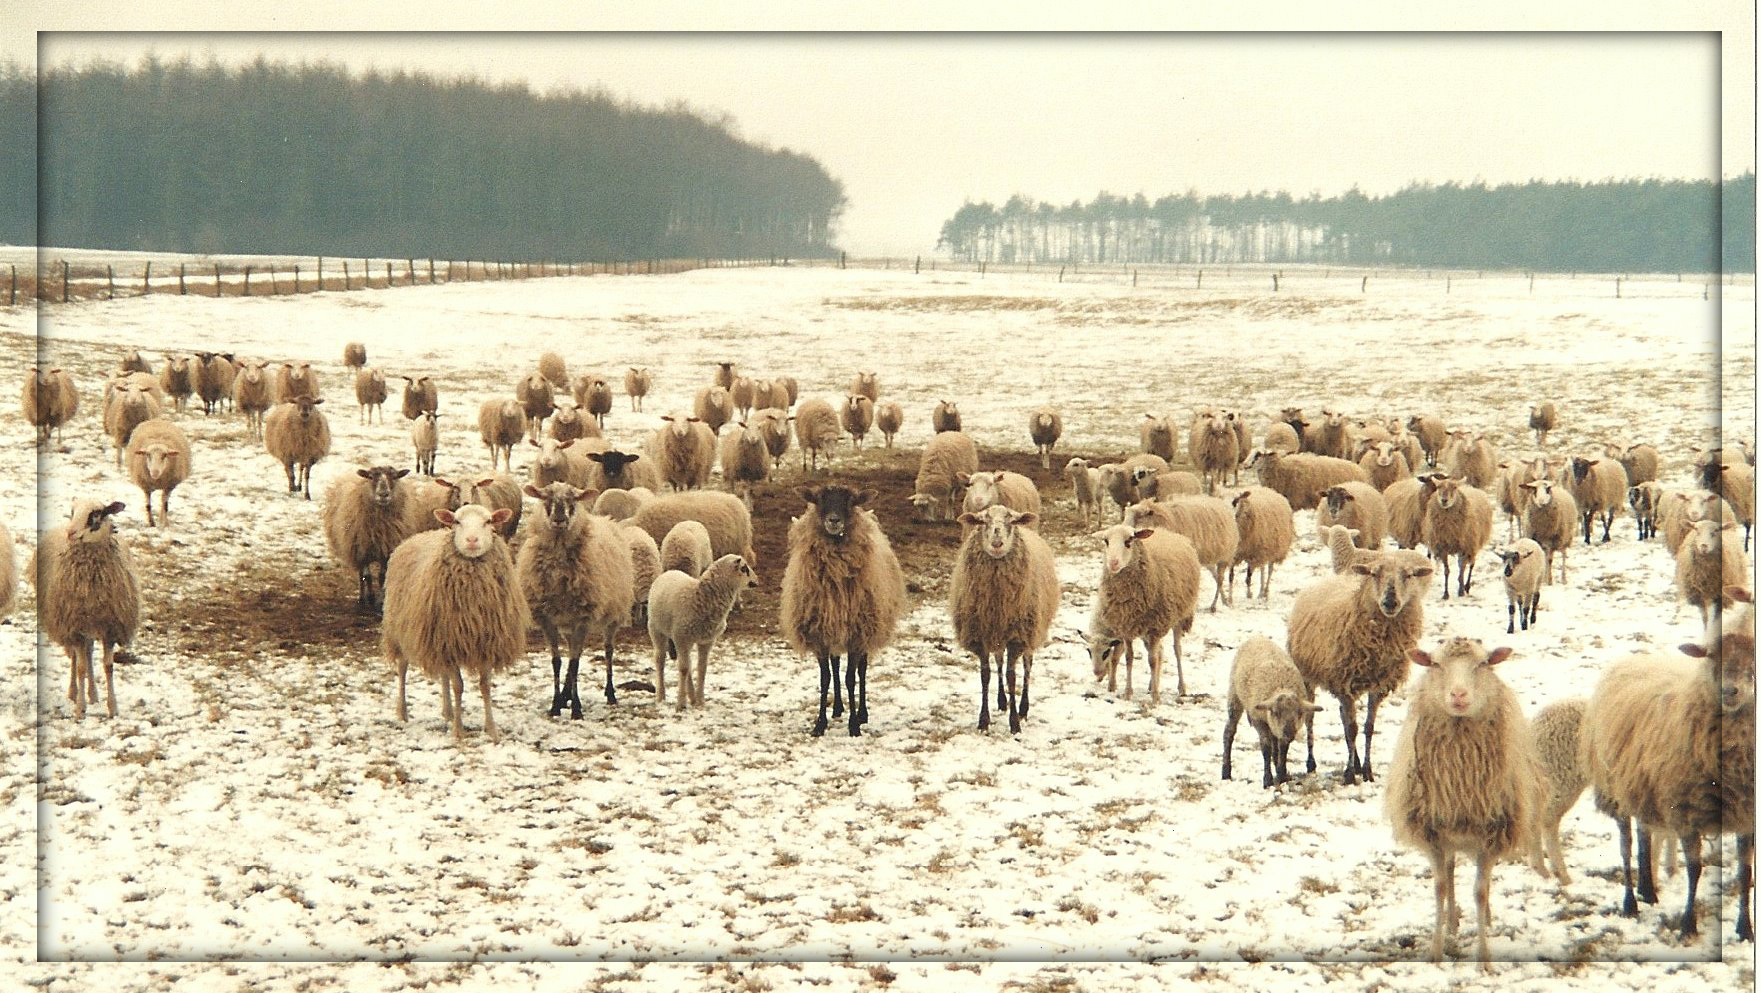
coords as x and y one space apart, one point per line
625 537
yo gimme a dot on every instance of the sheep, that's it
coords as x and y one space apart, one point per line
594 396
420 394
644 566
1148 589
567 424
1143 470
1384 465
816 428
1465 778
132 361
744 460
1214 449
946 417
1266 527
1350 634
1646 501
1266 686
554 370
1524 569
1156 436
888 418
498 491
291 380
1555 732
366 516
1333 437
1360 506
1115 481
1599 488
713 407
1282 437
1432 433
621 505
1406 500
158 459
370 393
177 380
50 400
637 383
297 435
724 375
1708 562
1243 443
536 402
425 437
575 571
561 462
354 355
947 457
1148 484
773 424
126 409
683 451
1458 522
686 548
1299 426
1513 497
1341 542
87 591
1366 435
1678 512
1002 598
1472 457
1671 744
1551 520
613 469
867 384
1085 486
1303 478
686 612
1011 489
1045 427
857 416
1543 417
213 375
1735 482
1208 522
1639 460
791 389
1407 444
728 521
742 395
500 423
251 395
453 604
843 594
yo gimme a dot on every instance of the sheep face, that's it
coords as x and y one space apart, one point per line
1707 537
1580 467
253 373
1448 493
560 502
306 405
613 461
1385 453
160 461
1734 668
836 507
510 411
1103 652
1120 542
735 567
550 453
1461 680
1075 466
1394 580
473 527
1540 492
90 520
679 424
382 481
1514 558
997 525
1337 496
536 384
1284 714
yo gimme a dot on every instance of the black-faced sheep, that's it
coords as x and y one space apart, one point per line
1646 502
213 378
594 397
1358 506
1524 569
574 569
1045 427
297 435
1266 686
1148 589
686 612
1002 598
1599 487
612 469
946 417
158 460
1735 482
724 375
87 591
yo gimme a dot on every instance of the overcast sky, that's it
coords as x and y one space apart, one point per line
913 123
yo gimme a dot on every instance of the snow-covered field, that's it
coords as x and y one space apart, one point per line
256 800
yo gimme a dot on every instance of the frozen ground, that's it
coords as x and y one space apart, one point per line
255 799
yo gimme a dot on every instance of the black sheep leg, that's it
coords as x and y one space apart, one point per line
861 662
1266 764
1013 652
1229 724
850 686
1647 881
837 688
557 699
1369 734
1629 904
825 677
984 689
1691 856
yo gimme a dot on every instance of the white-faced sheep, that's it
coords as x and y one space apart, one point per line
554 370
1266 686
1214 448
686 548
1011 489
354 355
1646 502
1678 511
1551 519
1707 564
1002 598
533 394
420 394
1407 444
728 521
87 591
745 461
1406 500
1465 779
843 594
501 423
292 379
158 459
1513 497
613 469
127 408
370 393
251 395
816 430
1525 566
1045 427
1208 522
177 380
1156 436
425 438
724 375
1341 543
1458 523
946 417
1085 486
686 613
1543 417
773 424
297 435
49 401
1304 478
366 516
1366 435
1148 589
714 407
1671 744
1599 487
867 384
1332 436
621 505
857 416
1349 635
949 456
637 383
1432 433
575 572
1267 528
1359 506
1735 482
213 374
1472 457
1555 731
1384 465
453 605
561 462
567 424
683 451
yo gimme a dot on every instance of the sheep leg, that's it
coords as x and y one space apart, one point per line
488 717
76 690
1483 907
1283 757
1348 717
1629 904
825 677
1375 699
861 662
683 657
1443 560
1555 851
1265 579
1691 855
1179 670
850 685
837 687
1589 517
1607 523
1745 873
1012 652
109 678
452 689
1265 762
611 694
147 498
1310 721
1647 867
1217 582
1510 612
1229 724
660 657
164 506
557 699
984 690
292 486
1464 573
702 672
1026 677
403 710
1002 700
1443 883
1152 651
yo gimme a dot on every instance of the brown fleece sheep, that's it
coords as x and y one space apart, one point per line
729 523
291 380
1735 482
637 383
1359 506
816 430
1432 433
1148 589
714 407
575 571
533 394
1011 489
250 395
1214 448
1551 519
1303 478
297 435
370 393
1458 522
420 395
1599 486
1002 598
1385 465
745 460
1543 417
158 460
50 400
1470 456
683 451
948 459
866 384
1045 427
1155 436
354 355
946 417
554 370
857 417
177 380
500 423
1709 563
1406 502
1267 528
366 516
86 591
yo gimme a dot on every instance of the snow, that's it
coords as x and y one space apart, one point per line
259 801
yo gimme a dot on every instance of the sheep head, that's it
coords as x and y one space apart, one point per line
835 507
1461 680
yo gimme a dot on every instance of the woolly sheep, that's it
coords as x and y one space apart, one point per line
1349 635
1266 686
453 605
158 459
843 594
791 389
560 462
297 435
420 394
744 459
816 430
1406 500
49 400
1011 489
593 395
132 361
536 401
1432 433
1267 528
728 521
888 418
1639 460
370 393
1002 598
1555 734
1148 589
1472 457
1148 484
497 491
366 516
1303 478
687 549
946 417
1465 779
1282 437
567 424
1045 427
1085 486
1707 563
500 423
213 374
757 396
683 451
1341 542
1384 465
713 407
1735 481
87 591
554 370
1646 502
1551 519
1599 487
1524 569
686 613
1214 449
354 355
949 456
1678 512
291 380
857 416
644 566
621 505
1366 435
1115 481
1407 444
724 375
1458 522
177 380
574 569
1513 497
1543 417
127 408
1155 436
613 469
773 424
637 383
1359 506
1334 436
251 395
866 384
1208 522
425 438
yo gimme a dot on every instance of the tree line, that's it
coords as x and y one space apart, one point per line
1631 225
312 159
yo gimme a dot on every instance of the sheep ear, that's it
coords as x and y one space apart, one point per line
566 444
317 400
864 496
666 417
532 491
1313 708
810 494
1421 572
115 508
597 457
501 516
1419 656
364 473
1027 518
1145 533
442 481
445 516
1740 594
1100 535
971 518
1692 650
1498 655
587 494
1260 709
964 479
1362 569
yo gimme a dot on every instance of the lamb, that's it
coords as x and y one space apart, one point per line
1384 466
425 437
947 457
686 549
291 380
1282 437
176 379
213 379
724 375
612 469
1735 481
684 452
500 423
1465 778
1208 522
158 459
1156 436
1432 433
816 429
713 407
621 505
420 394
644 567
1543 417
1341 542
843 594
744 459
773 424
867 384
1350 634
1513 497
1680 510
1708 563
1472 457
1646 502
1148 588
1555 732
637 383
1011 489
50 400
1640 461
453 605
857 416
1599 487
1672 745
250 395
366 516
567 424
729 523
1214 448
1406 502
1002 598
1303 478
1359 506
575 571
1266 528
888 418
354 355
1085 485
1266 686
593 395
87 591
1148 484
1524 568
946 417
536 402
1551 520
683 613
1458 522
554 370
297 435
1045 427
370 393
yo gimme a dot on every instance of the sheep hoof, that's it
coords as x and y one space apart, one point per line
1630 906
819 727
855 730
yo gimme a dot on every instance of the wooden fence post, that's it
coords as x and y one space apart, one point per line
1201 280
1446 282
182 290
1364 287
296 280
1617 287
1531 282
320 288
431 272
412 271
1134 279
388 274
917 267
216 280
247 280
1275 282
12 290
147 279
366 275
111 271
